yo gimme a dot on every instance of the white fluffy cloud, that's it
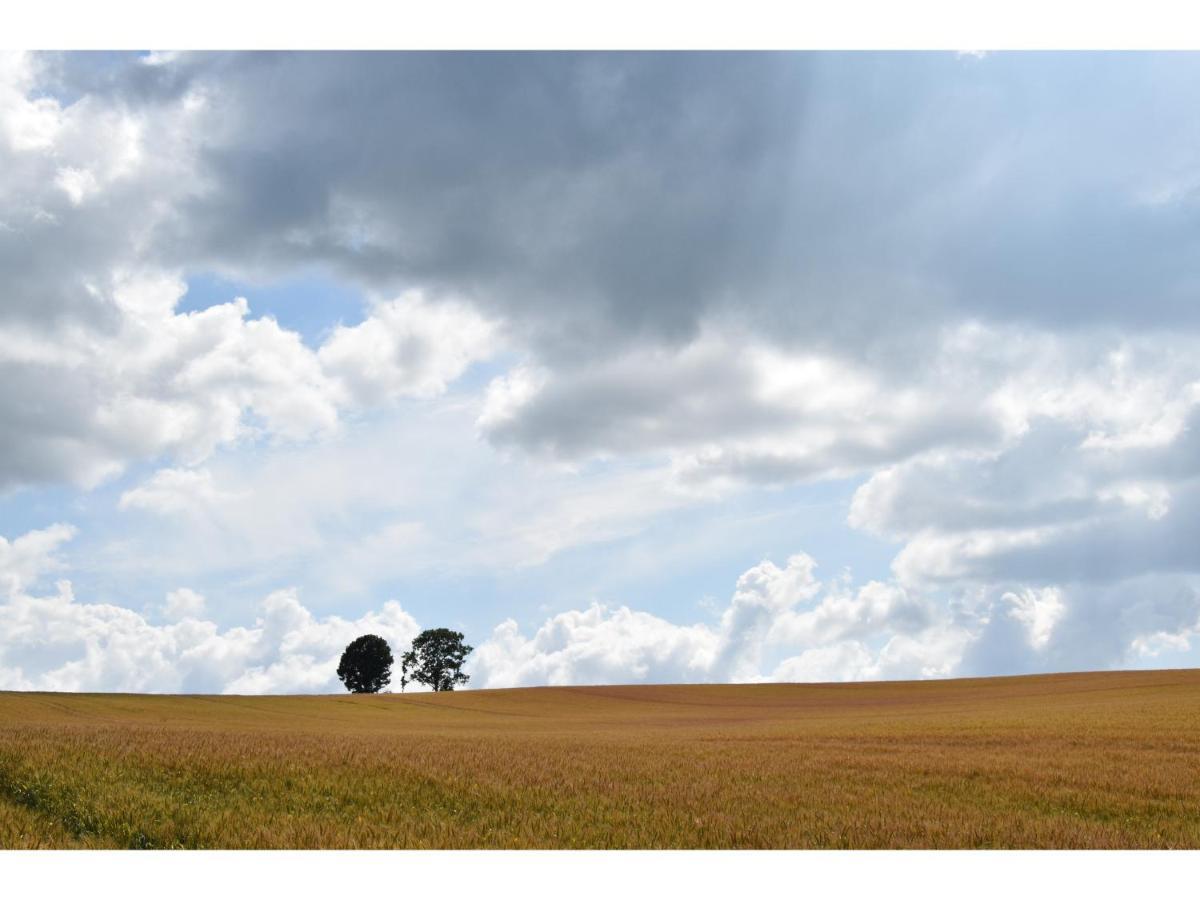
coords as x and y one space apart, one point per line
406 348
185 384
781 624
183 603
26 558
55 642
814 631
158 383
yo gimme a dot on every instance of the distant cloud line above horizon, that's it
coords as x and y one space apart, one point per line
173 648
637 332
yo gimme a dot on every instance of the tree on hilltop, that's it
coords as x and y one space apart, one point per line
366 664
436 659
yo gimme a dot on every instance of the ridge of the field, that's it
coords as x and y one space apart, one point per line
1091 759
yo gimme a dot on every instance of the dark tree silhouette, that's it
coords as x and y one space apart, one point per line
436 659
366 664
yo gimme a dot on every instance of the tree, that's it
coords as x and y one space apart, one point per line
436 659
366 664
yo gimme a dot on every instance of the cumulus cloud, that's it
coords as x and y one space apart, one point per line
83 405
52 641
781 624
407 347
183 603
55 642
156 383
596 646
24 559
815 631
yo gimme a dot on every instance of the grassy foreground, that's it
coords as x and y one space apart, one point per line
1085 760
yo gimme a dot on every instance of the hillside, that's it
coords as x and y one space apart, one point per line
1079 760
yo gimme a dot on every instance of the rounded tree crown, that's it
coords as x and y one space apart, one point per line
366 665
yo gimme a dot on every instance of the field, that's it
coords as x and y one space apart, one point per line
1085 760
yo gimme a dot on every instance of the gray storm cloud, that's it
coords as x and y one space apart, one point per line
827 197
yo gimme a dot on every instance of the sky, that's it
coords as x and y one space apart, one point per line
659 367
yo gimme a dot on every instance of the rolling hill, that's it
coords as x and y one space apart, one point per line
1106 760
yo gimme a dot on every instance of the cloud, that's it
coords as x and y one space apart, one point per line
596 227
175 490
1038 611
156 383
780 627
415 494
55 642
28 124
98 369
1124 624
407 347
856 201
83 405
515 180
818 632
659 269
730 410
183 603
595 646
969 285
781 624
1091 486
28 557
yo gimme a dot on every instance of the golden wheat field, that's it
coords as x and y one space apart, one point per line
1084 760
